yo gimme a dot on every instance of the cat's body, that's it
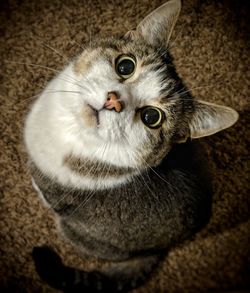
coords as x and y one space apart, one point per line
104 144
161 207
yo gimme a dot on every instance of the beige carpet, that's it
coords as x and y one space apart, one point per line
211 48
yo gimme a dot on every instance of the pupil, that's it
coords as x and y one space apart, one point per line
126 67
150 116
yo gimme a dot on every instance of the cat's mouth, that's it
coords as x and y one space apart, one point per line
95 114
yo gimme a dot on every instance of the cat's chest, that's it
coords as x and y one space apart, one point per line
120 206
146 213
125 209
128 218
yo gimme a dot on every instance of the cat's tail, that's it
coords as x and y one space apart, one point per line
119 277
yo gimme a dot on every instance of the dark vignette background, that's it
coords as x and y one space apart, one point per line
211 48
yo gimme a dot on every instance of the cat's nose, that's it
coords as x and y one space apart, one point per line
113 102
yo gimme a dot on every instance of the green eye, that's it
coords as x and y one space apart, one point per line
152 117
125 66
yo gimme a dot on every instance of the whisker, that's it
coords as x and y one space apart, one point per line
92 192
46 92
184 91
62 199
78 44
152 169
74 81
46 45
83 203
141 175
70 191
34 65
194 88
139 172
43 67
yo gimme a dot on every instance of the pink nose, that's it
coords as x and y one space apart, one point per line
113 102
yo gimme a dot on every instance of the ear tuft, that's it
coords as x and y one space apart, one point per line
156 28
210 118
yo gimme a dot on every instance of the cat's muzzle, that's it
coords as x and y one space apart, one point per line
113 102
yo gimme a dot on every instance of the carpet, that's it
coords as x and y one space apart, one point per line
210 45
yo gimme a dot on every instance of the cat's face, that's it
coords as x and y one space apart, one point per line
146 90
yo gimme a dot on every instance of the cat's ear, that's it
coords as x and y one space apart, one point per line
156 28
210 118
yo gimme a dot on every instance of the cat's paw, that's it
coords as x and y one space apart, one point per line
49 266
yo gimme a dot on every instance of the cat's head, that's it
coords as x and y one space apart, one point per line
133 101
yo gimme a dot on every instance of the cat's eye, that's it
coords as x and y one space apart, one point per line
125 66
152 117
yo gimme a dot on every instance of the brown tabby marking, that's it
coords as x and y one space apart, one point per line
88 116
95 168
84 62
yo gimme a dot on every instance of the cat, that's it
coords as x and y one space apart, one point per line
111 151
